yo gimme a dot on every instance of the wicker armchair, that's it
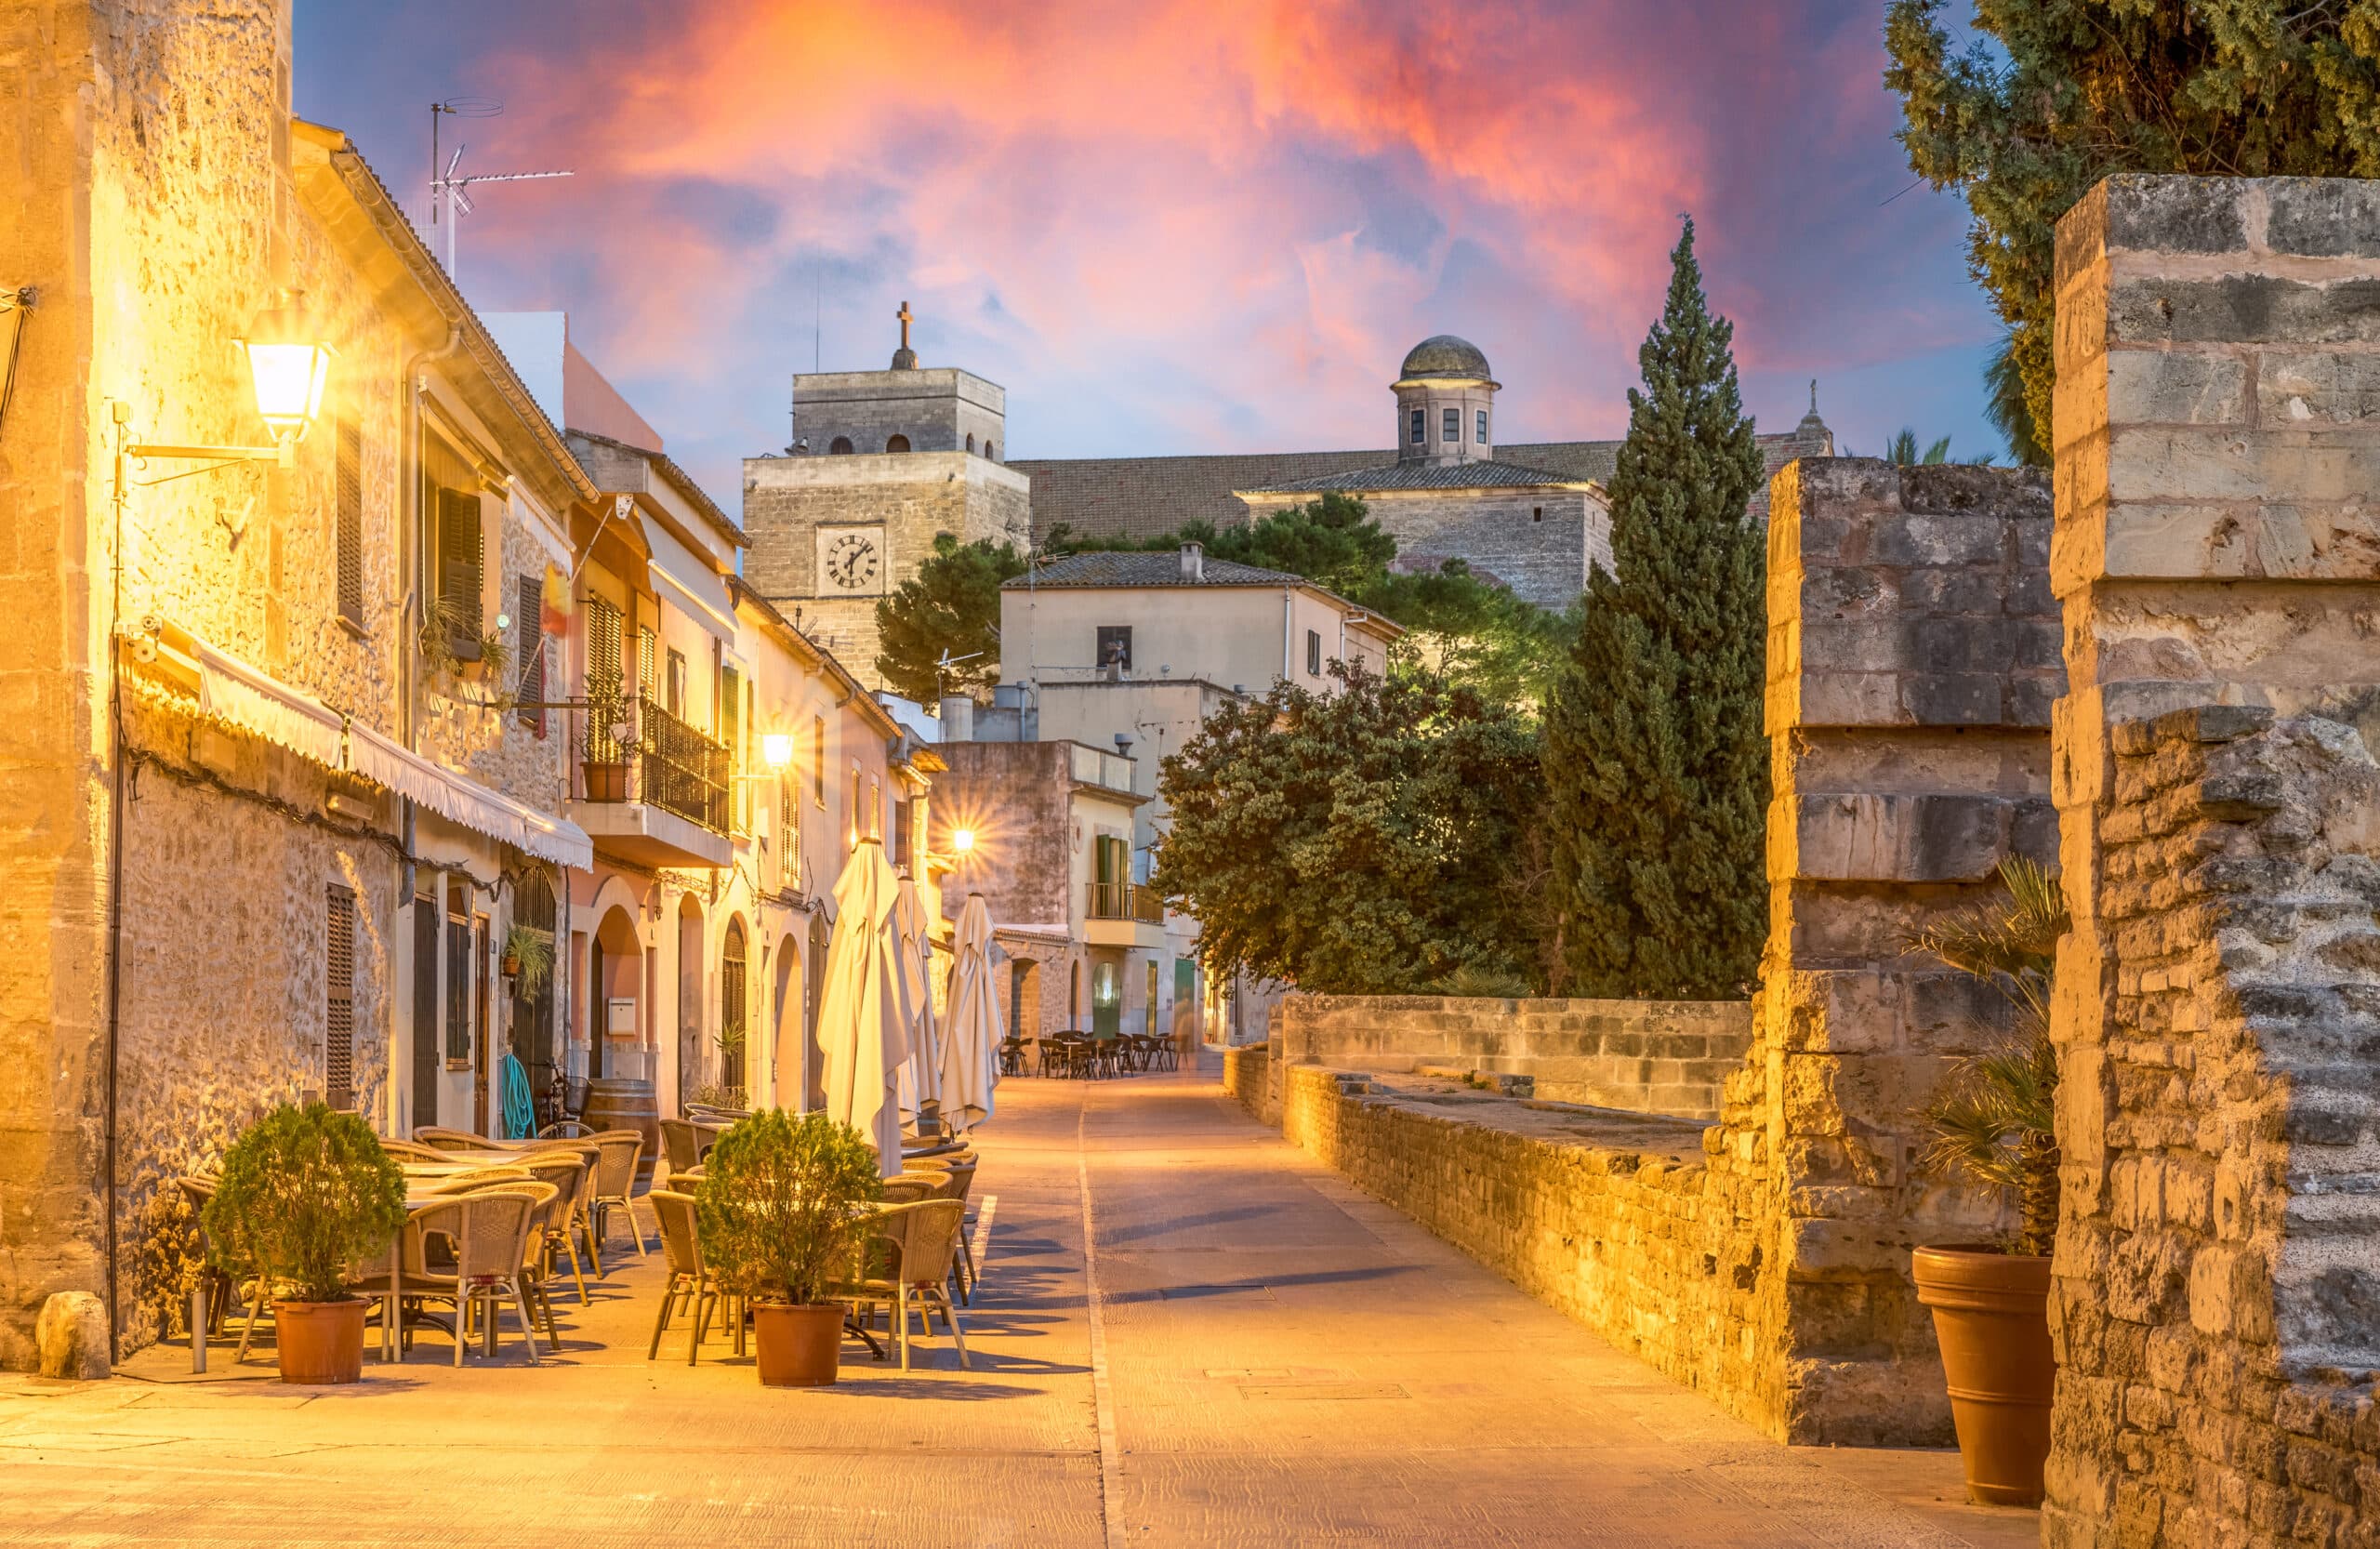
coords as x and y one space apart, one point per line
690 1282
489 1230
567 1172
923 1237
614 1183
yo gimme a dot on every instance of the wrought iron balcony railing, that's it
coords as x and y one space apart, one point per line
1126 901
657 759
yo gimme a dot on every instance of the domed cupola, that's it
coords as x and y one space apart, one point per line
1445 403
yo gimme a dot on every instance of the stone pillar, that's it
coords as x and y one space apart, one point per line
1912 658
2216 1308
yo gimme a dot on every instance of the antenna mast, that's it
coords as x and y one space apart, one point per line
451 191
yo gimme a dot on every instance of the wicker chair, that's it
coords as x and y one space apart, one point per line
684 1142
453 1140
911 1187
923 1237
690 1279
614 1183
485 1177
407 1150
220 1286
567 1172
403 1272
490 1231
961 1182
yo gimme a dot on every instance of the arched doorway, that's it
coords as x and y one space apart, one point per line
614 974
783 1031
813 983
734 1012
532 1035
693 1063
1025 999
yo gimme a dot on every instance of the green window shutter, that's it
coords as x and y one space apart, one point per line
528 618
459 559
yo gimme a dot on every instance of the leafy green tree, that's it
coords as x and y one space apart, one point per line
2006 407
1655 764
950 608
1903 451
1354 841
2070 91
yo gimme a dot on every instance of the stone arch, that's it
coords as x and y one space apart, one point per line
896 442
730 1048
615 971
970 441
783 1025
691 963
991 452
841 446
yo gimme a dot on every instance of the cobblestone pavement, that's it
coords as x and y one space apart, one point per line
1252 1354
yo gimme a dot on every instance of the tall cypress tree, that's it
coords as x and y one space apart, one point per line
1654 759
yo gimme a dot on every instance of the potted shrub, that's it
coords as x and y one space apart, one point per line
307 1194
528 958
1992 1126
779 1212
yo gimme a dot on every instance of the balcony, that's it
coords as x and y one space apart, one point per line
656 794
1123 914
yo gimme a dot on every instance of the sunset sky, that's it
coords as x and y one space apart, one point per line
1169 227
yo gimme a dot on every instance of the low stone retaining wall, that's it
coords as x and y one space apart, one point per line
1618 1220
1247 1077
1645 1057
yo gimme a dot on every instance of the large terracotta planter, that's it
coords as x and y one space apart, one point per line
797 1346
319 1342
605 781
1991 1319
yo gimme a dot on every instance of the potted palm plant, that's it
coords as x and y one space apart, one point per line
1992 1125
528 958
780 1207
307 1194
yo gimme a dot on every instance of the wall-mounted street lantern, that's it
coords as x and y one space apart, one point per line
288 368
962 839
777 749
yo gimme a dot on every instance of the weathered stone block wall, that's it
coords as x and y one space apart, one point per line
2216 1306
1247 1077
1645 1057
1913 654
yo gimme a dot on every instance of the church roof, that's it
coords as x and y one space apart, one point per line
1445 355
1479 473
1162 568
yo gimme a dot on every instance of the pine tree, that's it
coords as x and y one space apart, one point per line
1655 764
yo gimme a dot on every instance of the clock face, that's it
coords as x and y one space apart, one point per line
853 563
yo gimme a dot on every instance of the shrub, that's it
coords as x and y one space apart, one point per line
778 1209
307 1192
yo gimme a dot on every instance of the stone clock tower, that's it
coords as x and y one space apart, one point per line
881 461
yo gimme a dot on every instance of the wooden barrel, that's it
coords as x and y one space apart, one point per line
615 1102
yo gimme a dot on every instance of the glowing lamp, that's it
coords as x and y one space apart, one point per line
777 749
962 839
290 367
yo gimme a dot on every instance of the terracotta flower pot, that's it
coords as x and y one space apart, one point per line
1991 1319
605 781
797 1346
319 1342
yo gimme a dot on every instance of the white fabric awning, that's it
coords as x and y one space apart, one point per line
230 688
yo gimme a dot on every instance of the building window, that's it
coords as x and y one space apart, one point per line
1151 1026
852 820
876 806
458 977
991 452
901 841
1313 652
818 759
970 441
1421 427
339 1015
674 685
426 915
896 443
529 620
1482 436
731 736
1537 513
788 836
351 522
648 664
1450 429
734 1013
841 446
460 564
1115 647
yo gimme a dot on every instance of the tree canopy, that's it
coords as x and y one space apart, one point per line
1656 766
2067 92
1355 841
950 607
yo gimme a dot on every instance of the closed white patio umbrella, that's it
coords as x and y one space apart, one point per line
972 1034
863 1018
921 1078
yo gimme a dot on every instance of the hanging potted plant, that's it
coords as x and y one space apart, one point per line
781 1206
528 958
604 765
1992 1126
307 1193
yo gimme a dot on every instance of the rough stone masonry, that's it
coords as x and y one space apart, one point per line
2216 1308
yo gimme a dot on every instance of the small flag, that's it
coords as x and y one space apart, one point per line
555 603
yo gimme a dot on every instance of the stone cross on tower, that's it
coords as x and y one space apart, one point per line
904 358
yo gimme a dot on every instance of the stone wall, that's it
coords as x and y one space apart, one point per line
2216 1306
1644 1056
1913 654
1248 1071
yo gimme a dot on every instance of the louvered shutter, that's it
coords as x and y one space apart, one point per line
348 536
338 1017
458 563
529 616
425 1011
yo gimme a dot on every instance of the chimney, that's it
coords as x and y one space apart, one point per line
1194 562
958 718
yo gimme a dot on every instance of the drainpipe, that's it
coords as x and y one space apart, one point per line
1288 629
409 611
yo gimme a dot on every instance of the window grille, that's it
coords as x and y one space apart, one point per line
339 1014
350 536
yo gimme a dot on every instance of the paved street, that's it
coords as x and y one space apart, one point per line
1252 1353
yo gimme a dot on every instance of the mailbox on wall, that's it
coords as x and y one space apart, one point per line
619 1021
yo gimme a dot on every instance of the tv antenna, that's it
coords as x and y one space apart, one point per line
452 193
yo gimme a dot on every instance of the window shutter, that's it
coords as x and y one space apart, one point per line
731 736
648 665
350 524
338 1017
426 914
460 559
458 992
530 617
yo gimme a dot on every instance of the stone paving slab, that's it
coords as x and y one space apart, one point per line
1279 1361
